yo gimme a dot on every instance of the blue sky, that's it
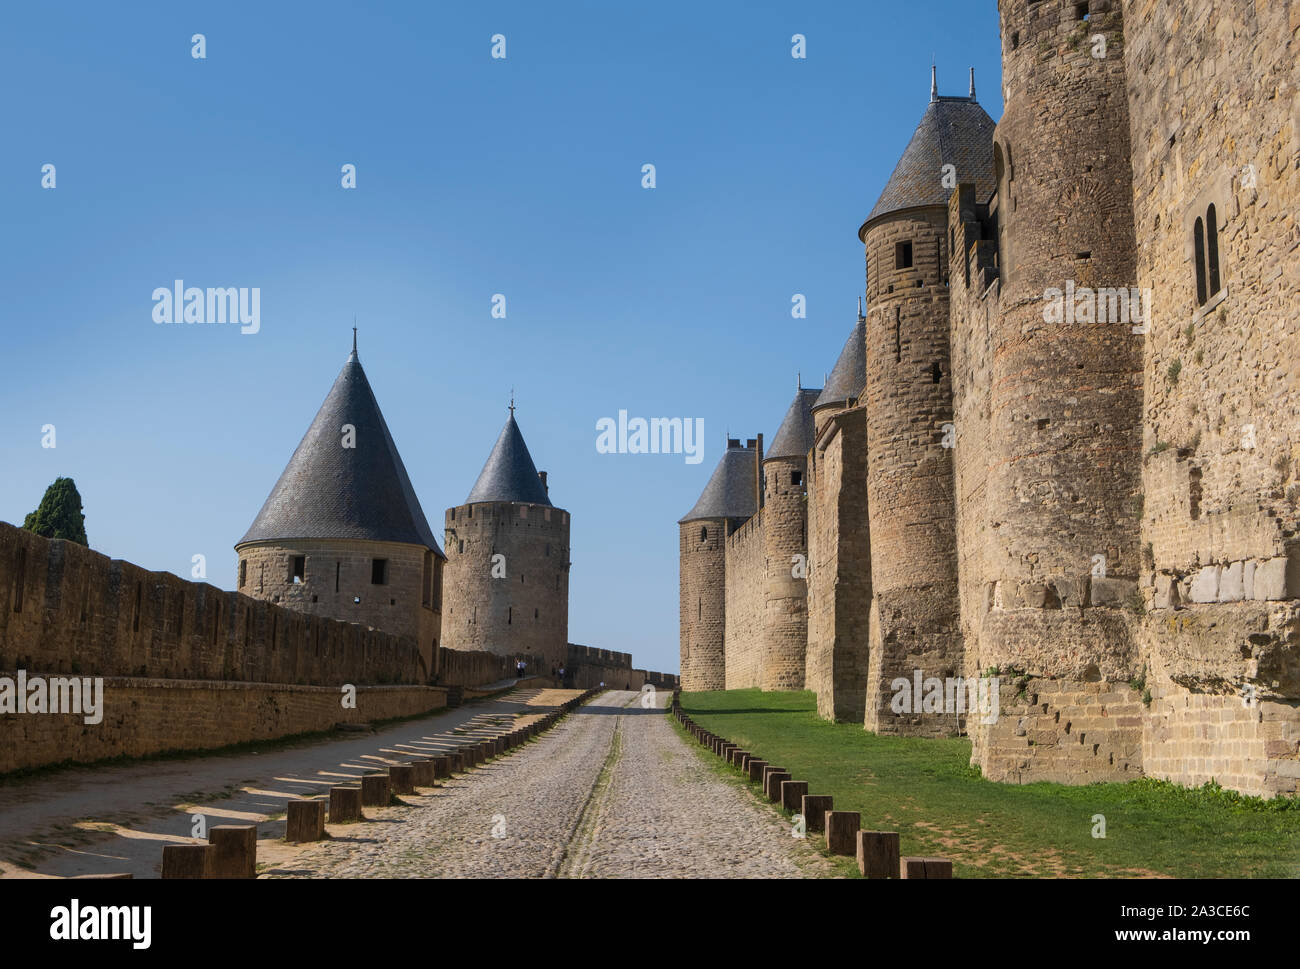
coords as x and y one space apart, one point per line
475 176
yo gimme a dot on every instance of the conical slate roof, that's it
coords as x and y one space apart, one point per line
730 492
331 491
953 131
509 474
850 373
794 438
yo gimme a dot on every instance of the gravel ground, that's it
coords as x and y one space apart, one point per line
611 792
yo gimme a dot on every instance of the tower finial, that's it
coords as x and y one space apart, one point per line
860 316
934 81
354 334
972 84
512 402
798 380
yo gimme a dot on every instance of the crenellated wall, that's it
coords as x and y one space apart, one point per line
67 609
518 602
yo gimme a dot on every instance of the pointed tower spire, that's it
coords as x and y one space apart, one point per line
860 314
934 82
972 84
345 484
509 474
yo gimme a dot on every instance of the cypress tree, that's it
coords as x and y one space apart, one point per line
59 514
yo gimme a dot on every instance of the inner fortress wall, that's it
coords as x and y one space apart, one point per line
746 604
1216 138
67 609
839 574
524 610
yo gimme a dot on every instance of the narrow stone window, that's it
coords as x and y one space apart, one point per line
461 546
536 614
338 567
261 577
936 372
379 571
1198 241
796 477
898 335
903 255
298 572
1015 40
243 572
1212 247
704 533
510 616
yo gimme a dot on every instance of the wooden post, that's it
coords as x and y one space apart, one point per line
306 820
878 854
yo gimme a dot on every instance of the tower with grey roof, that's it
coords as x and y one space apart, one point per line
914 622
507 588
785 546
342 533
728 501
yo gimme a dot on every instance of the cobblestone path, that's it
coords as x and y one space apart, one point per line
611 792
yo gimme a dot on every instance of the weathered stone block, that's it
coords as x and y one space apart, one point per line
1232 583
878 854
1205 585
1270 580
1110 591
305 820
234 850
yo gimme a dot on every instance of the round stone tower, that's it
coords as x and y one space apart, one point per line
914 612
508 561
728 501
785 546
1064 483
342 533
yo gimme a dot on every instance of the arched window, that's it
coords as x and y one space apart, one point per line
1212 247
1198 241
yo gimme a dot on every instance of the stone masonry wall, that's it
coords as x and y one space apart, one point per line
67 609
526 609
839 572
702 604
1214 96
746 605
336 583
154 716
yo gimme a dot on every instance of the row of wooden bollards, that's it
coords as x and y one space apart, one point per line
231 851
877 851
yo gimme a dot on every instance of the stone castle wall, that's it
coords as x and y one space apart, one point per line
1215 121
526 609
67 609
336 583
839 577
1117 536
144 717
746 604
